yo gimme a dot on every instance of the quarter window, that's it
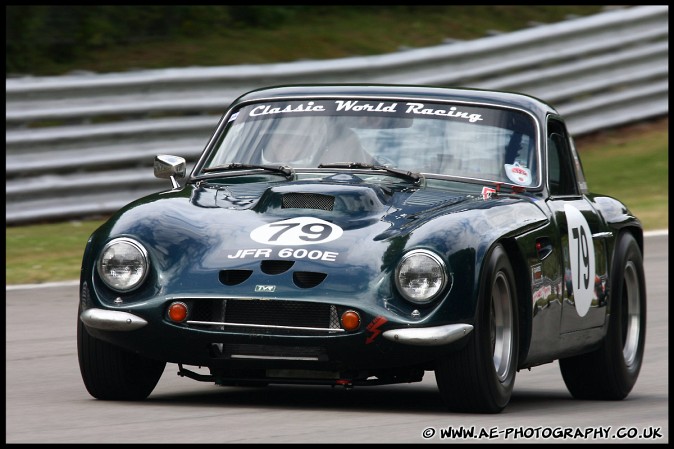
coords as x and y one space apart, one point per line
561 176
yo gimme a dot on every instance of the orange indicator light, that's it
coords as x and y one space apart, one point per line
350 320
177 312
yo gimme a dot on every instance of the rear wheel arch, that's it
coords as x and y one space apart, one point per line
610 371
636 231
638 235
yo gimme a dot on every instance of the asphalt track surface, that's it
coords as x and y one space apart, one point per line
46 401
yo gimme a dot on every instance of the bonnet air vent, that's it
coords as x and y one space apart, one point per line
431 198
276 266
234 277
308 201
308 279
247 191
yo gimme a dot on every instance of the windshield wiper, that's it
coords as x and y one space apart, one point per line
282 169
394 171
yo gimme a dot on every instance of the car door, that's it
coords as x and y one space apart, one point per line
582 234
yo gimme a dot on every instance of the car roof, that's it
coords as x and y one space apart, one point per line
429 93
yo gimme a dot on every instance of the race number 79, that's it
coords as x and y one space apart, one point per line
297 231
581 259
580 238
308 232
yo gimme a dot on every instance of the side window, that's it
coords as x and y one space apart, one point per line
553 167
561 176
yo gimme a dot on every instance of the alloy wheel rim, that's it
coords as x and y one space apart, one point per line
501 326
631 316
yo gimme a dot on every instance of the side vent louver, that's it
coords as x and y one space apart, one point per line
276 266
234 277
308 279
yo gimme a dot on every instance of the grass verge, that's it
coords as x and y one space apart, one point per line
630 164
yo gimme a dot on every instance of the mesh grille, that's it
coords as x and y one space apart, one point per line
308 201
263 313
278 313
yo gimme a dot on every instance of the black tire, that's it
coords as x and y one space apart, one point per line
111 373
480 377
610 372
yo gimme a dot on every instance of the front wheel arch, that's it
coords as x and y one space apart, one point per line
112 373
480 376
522 274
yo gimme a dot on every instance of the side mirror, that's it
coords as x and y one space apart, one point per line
169 167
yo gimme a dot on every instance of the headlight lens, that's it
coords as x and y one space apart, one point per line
421 275
123 264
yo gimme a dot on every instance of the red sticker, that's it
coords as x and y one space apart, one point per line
374 328
487 192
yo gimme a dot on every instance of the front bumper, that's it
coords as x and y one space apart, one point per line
233 333
111 320
429 336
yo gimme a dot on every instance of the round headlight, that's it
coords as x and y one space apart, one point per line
421 275
123 264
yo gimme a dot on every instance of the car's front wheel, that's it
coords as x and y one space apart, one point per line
480 377
112 373
611 371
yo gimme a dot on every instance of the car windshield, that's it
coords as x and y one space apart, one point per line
433 138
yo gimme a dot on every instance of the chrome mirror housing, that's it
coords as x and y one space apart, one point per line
169 167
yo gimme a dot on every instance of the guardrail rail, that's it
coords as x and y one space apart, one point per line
83 145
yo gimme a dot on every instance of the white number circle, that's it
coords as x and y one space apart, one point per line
297 231
581 258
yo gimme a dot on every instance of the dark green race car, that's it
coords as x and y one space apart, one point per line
362 235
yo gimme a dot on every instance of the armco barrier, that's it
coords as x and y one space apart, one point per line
82 145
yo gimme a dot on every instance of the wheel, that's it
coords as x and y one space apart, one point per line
112 373
611 371
480 377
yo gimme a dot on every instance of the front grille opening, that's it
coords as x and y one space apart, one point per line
308 279
261 316
279 313
308 201
276 266
234 277
207 310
